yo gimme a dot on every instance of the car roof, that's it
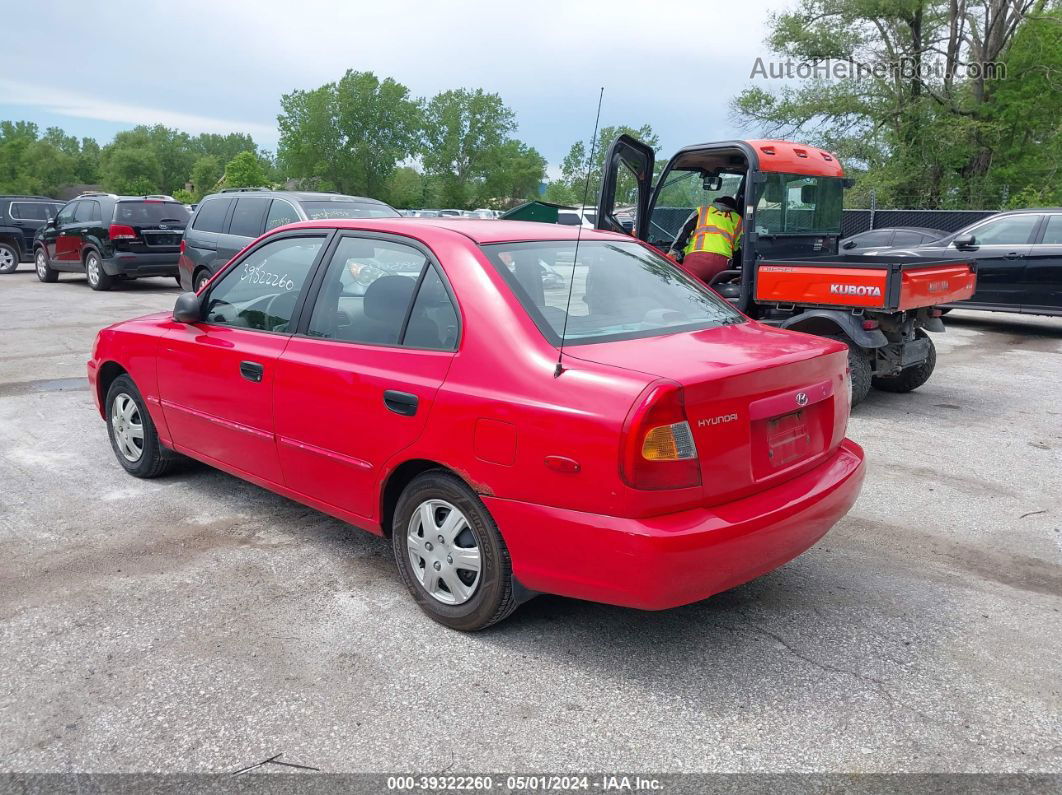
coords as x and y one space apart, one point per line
925 229
477 230
298 195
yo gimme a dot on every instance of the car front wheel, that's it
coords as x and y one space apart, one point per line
201 279
133 436
450 554
97 278
45 272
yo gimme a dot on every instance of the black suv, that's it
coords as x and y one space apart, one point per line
109 237
20 218
226 222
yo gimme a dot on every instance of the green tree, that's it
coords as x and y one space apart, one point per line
571 186
462 132
349 135
406 187
205 174
171 150
513 171
917 115
132 170
245 171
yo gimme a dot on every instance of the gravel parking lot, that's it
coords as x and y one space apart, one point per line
199 623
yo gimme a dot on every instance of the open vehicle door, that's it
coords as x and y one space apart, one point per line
627 175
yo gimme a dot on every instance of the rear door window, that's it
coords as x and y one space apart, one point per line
87 212
1053 230
249 217
211 215
280 212
1012 230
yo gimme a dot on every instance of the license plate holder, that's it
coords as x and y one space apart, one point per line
787 438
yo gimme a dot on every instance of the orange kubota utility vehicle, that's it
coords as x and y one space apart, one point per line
786 271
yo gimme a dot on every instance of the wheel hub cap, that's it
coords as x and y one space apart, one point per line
6 258
127 427
449 568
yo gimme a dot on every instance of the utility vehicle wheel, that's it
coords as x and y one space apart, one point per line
450 554
8 258
133 436
859 367
201 278
97 279
45 272
910 377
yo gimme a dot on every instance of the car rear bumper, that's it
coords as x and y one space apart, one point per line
136 264
679 558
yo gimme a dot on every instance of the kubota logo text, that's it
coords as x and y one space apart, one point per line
855 289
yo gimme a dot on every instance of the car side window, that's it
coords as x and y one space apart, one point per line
247 218
367 291
211 215
66 215
261 291
1012 230
280 212
29 211
907 238
1053 230
433 322
83 213
873 239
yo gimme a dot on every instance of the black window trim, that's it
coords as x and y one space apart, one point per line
300 303
302 329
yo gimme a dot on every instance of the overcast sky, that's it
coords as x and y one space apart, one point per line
222 66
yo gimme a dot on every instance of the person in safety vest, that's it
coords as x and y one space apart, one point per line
709 237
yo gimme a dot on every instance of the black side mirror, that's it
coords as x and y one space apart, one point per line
187 309
965 241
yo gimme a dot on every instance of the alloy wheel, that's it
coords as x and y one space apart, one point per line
8 260
444 552
128 427
92 268
42 266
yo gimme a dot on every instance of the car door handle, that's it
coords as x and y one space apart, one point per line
1013 255
252 371
401 402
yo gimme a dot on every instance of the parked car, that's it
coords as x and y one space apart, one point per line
877 239
225 222
451 213
20 218
678 450
110 238
1018 256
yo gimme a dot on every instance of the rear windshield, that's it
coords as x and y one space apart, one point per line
150 212
316 211
621 291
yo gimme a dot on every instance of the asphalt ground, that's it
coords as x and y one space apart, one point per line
199 623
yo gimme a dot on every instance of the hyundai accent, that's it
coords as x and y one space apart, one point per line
625 436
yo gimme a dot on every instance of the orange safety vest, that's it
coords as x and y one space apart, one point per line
717 231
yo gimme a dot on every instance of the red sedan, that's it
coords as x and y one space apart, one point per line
402 375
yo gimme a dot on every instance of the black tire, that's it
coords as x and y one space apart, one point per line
201 278
9 258
44 269
859 368
910 378
493 598
97 277
153 459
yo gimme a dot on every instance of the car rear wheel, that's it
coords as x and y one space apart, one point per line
45 272
8 258
97 278
910 378
450 554
859 369
133 436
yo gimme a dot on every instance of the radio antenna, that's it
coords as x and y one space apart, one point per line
579 233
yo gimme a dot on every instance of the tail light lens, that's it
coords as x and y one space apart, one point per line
121 232
658 451
180 250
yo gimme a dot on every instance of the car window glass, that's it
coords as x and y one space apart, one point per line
66 216
1011 230
30 211
337 208
150 212
873 239
433 321
247 217
280 213
907 238
366 291
1053 231
260 292
211 215
568 219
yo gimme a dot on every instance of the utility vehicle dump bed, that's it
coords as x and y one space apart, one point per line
879 282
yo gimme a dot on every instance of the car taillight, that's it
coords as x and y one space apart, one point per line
180 249
120 232
658 451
